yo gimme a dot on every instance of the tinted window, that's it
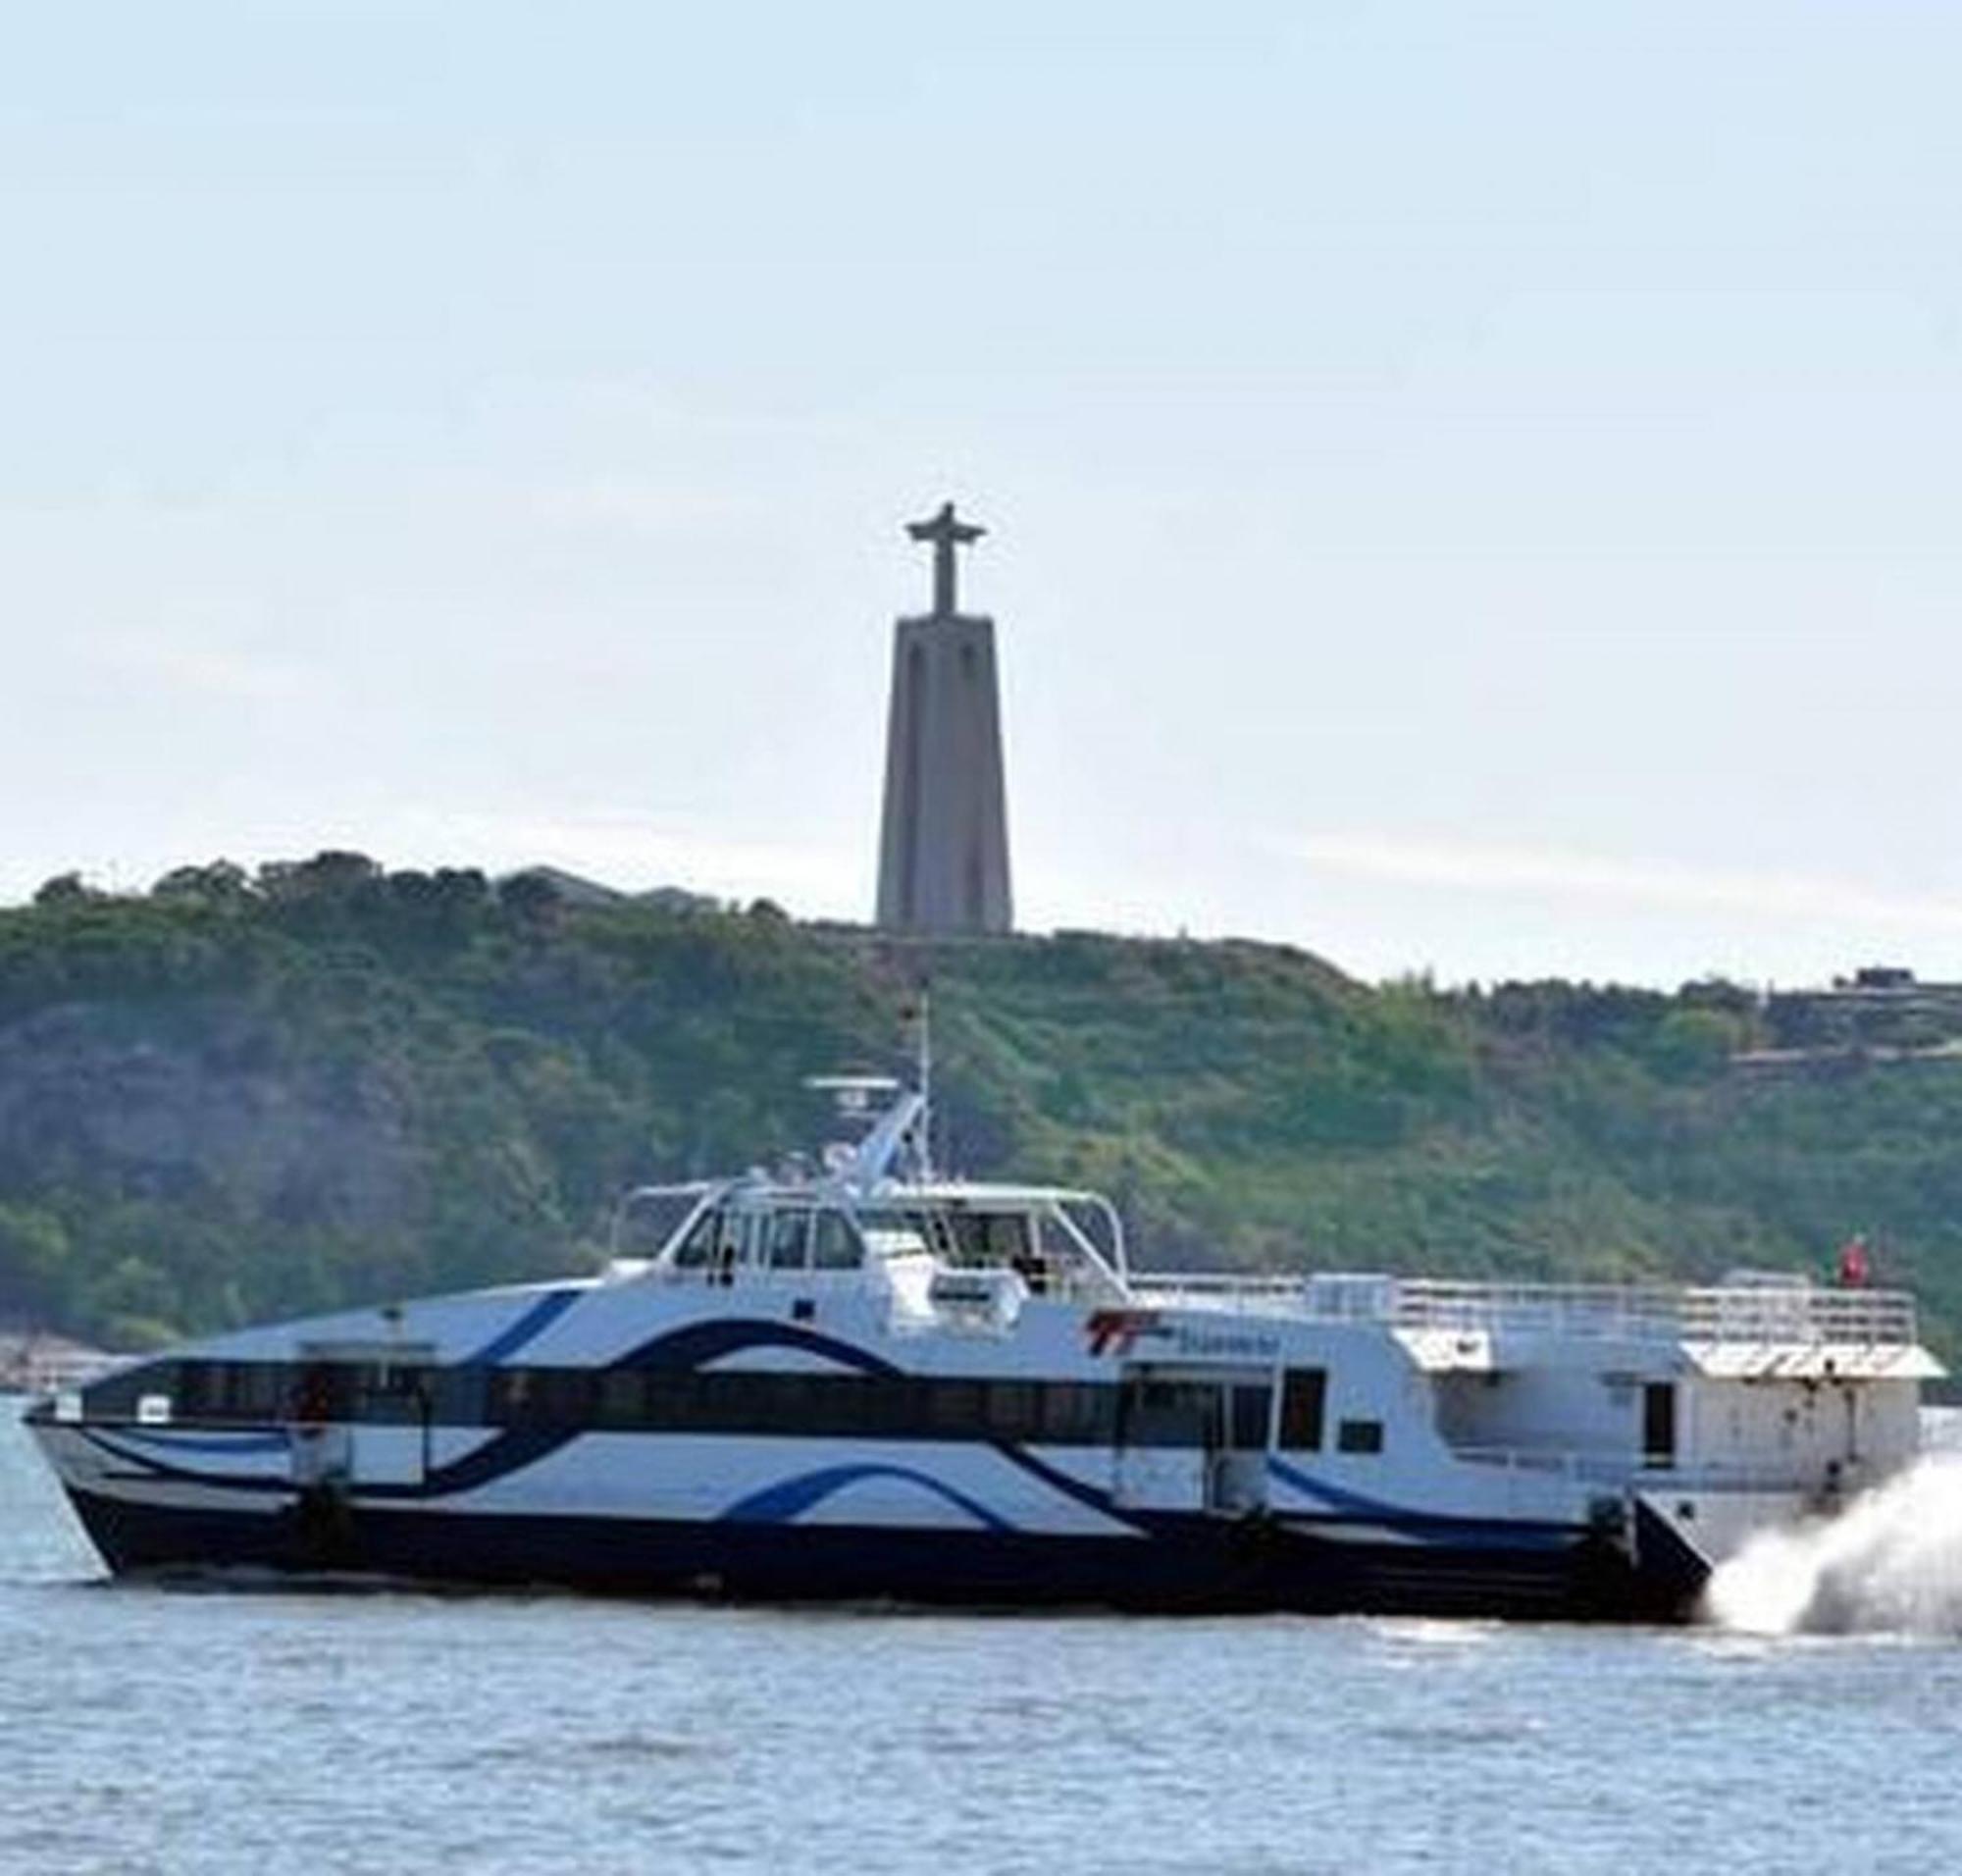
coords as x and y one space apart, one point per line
790 1240
990 1238
895 1233
835 1245
1012 1409
696 1249
885 1406
1360 1435
619 1398
1250 1418
649 1219
1169 1413
1302 1396
1077 1412
732 1239
954 1406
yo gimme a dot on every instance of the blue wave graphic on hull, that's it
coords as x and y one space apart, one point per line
689 1348
1355 1507
695 1345
789 1500
223 1443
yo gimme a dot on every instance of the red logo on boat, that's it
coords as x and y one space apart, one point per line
1115 1331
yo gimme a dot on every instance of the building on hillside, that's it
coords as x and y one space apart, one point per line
943 834
1880 1012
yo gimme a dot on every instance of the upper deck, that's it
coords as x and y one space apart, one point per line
878 1208
1793 1313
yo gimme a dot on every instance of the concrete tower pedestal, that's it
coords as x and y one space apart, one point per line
944 840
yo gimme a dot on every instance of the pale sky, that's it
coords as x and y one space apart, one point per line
1471 488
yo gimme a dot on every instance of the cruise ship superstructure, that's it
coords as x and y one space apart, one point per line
861 1380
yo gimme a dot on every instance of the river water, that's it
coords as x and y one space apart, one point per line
152 1729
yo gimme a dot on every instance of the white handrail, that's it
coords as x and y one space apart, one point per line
1754 1313
1632 1467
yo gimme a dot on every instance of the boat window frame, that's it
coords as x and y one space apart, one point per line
702 1232
849 1234
1359 1437
887 1230
1302 1422
772 1247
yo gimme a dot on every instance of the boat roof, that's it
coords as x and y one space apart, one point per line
902 1192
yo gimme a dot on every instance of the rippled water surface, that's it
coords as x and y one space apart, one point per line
149 1729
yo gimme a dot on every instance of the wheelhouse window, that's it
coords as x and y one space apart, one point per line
998 1241
833 1244
898 1233
698 1248
1097 1222
732 1242
649 1218
990 1239
789 1240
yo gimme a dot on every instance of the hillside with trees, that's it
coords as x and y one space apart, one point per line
242 1095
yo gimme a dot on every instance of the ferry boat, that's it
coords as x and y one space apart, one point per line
858 1378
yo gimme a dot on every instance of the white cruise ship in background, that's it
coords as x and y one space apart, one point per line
867 1380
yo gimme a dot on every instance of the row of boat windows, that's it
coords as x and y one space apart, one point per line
796 1239
777 1240
1140 1411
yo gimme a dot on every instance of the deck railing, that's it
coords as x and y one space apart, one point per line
1794 1312
1627 1468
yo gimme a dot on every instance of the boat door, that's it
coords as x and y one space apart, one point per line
1193 1438
1239 1481
361 1414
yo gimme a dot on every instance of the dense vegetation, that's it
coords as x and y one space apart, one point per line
237 1097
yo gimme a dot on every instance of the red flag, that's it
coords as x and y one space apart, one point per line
1853 1266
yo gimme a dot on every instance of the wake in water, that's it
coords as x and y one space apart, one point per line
1891 1561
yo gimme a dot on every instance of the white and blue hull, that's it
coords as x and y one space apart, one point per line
744 1507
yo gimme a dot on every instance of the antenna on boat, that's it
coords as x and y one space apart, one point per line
900 1138
856 1100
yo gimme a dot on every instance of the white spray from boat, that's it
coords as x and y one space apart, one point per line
1891 1562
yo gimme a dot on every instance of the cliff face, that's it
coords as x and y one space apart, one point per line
168 1116
241 1098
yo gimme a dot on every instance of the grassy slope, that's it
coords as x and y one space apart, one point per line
219 1106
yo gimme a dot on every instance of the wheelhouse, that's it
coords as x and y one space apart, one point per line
1060 1243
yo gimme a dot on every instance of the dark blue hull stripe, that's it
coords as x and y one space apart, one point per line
1354 1507
528 1327
1195 1563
